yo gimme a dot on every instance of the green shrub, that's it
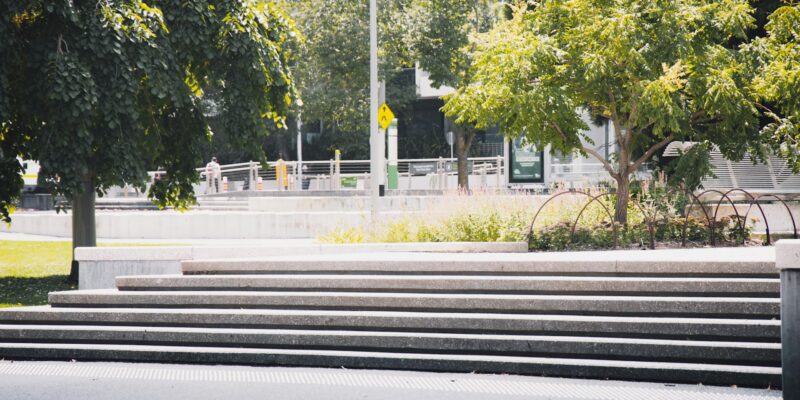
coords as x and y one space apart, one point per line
483 219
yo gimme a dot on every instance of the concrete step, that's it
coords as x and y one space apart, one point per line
710 352
457 264
745 330
222 202
485 284
219 208
714 307
631 370
744 353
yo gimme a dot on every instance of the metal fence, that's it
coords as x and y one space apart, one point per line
424 173
708 202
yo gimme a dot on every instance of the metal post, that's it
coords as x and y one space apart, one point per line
498 171
440 173
337 168
392 163
373 110
507 162
253 179
787 259
330 174
299 154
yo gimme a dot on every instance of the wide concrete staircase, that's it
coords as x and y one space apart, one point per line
692 321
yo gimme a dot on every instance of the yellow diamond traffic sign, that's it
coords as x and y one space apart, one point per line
385 116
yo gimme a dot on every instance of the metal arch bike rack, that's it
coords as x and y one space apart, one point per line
710 222
743 222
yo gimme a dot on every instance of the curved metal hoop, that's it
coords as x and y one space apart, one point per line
530 230
743 221
688 212
610 216
788 210
716 210
651 220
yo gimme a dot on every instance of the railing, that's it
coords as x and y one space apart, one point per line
423 173
577 171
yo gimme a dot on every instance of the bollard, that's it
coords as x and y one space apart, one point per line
253 179
337 170
331 174
499 172
440 171
787 259
281 178
225 184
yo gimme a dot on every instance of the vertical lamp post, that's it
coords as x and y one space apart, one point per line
374 155
373 111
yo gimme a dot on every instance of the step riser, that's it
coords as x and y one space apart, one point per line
589 348
684 307
728 288
449 365
587 268
769 331
674 321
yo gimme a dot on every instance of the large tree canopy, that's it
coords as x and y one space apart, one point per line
332 70
659 70
99 92
438 37
777 59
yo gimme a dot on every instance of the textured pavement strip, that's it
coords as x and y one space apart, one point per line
549 388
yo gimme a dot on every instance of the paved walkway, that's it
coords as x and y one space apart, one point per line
726 254
78 380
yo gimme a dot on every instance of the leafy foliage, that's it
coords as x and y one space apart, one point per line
777 58
691 167
104 91
438 37
333 69
503 219
659 70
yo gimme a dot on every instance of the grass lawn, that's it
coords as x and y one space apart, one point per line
30 270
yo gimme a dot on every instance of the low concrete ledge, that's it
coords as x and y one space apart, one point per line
143 253
787 259
99 266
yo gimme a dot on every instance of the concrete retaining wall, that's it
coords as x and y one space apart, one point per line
195 224
389 203
267 218
776 215
99 266
339 204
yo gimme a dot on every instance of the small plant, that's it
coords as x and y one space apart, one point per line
566 222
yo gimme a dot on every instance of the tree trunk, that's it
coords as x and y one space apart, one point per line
84 233
623 196
463 142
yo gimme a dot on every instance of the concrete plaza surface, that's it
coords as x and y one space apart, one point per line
85 380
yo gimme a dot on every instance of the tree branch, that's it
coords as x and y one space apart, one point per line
765 108
615 119
594 153
652 150
560 132
633 115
